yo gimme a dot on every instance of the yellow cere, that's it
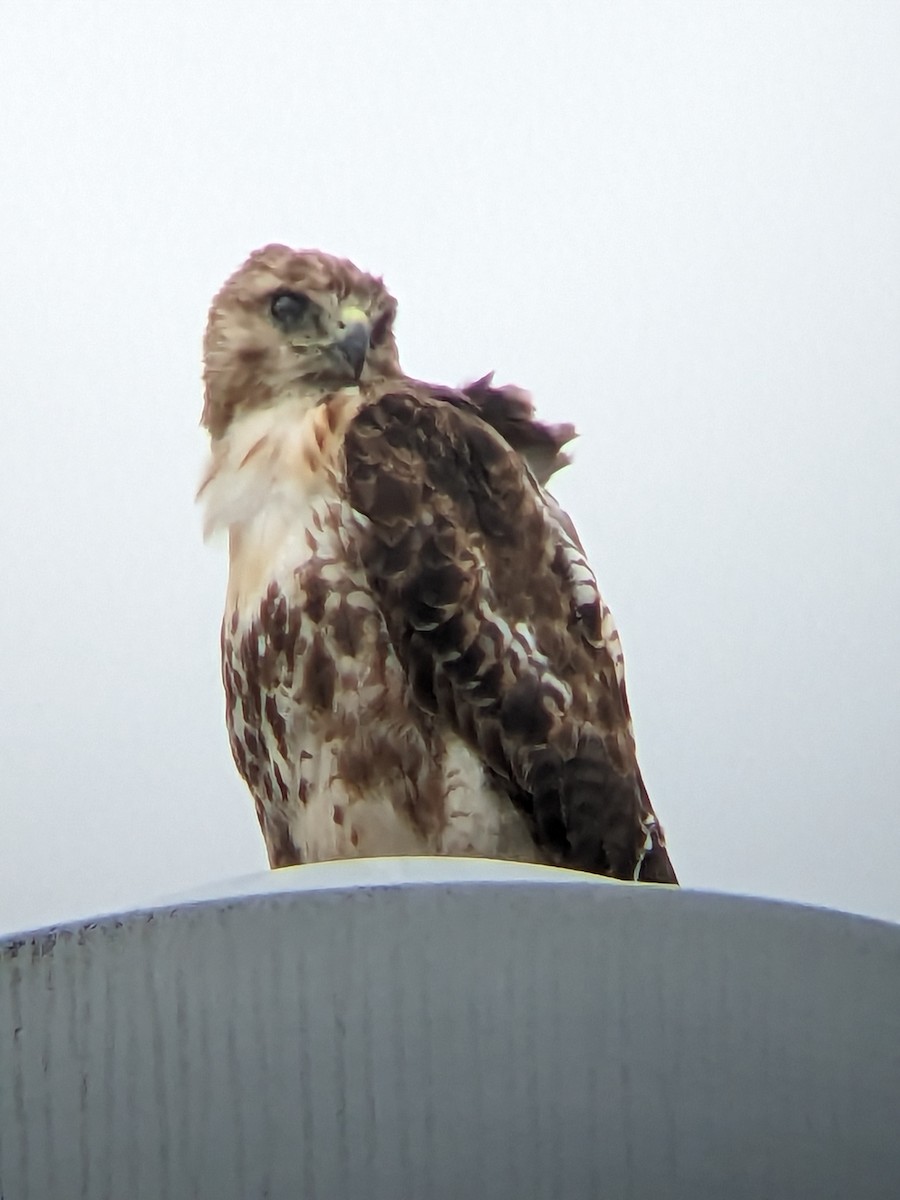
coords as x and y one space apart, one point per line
353 316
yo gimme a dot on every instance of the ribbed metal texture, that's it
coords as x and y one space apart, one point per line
526 1035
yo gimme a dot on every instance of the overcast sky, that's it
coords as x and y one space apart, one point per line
677 223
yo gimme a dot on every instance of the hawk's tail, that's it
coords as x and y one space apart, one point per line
656 866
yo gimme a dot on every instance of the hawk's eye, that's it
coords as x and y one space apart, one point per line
288 308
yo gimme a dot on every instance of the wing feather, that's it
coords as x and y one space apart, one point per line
498 622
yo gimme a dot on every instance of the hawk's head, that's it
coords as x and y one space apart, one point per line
290 323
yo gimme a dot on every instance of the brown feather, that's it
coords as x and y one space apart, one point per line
510 410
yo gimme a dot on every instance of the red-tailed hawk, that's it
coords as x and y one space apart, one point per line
415 655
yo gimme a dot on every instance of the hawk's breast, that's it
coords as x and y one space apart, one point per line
339 758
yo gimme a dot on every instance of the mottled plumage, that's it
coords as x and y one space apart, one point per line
415 655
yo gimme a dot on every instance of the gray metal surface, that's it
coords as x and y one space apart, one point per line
425 1028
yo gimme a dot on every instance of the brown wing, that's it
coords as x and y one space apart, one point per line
498 622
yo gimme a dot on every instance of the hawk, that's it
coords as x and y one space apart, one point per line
415 655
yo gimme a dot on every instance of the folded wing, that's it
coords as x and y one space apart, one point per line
496 616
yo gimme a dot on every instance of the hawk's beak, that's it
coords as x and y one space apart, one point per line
353 343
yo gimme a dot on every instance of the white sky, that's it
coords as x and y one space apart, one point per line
677 223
